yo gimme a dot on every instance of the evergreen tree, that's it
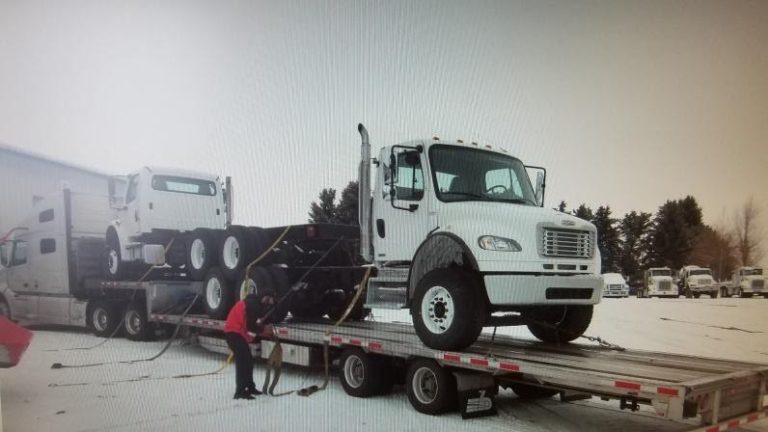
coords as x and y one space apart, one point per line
607 239
714 250
562 207
674 232
584 212
324 210
634 229
346 211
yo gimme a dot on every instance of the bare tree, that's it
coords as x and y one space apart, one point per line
748 233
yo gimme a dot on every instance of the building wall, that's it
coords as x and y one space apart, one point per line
25 176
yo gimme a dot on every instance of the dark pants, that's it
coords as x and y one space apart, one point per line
243 362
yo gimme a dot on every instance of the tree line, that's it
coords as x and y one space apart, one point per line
673 237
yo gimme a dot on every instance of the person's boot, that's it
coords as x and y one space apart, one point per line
251 390
243 395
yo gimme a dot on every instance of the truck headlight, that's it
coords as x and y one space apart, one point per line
499 244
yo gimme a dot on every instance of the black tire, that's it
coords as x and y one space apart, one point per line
282 287
363 375
431 388
451 295
713 294
530 392
304 311
745 295
238 248
559 324
218 294
201 253
104 317
114 267
724 292
358 312
696 295
136 326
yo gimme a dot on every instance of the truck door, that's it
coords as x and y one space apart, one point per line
22 296
401 219
48 264
130 221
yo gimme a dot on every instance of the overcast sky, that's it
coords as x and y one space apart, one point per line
627 103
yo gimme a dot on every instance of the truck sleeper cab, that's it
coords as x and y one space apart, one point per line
457 233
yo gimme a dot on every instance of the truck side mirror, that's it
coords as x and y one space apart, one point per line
4 254
116 201
540 189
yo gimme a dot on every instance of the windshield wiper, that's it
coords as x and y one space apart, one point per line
516 201
470 194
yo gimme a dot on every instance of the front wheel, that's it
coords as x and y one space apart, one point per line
559 324
448 309
113 264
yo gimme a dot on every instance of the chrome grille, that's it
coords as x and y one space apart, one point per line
665 285
758 284
567 243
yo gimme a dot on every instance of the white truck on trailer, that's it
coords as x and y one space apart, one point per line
745 282
657 282
614 285
458 233
694 281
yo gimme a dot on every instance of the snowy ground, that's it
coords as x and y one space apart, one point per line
146 396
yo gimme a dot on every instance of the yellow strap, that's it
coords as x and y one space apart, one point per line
243 287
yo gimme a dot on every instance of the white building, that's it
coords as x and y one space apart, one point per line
26 176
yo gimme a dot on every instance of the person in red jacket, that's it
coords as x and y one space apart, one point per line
246 314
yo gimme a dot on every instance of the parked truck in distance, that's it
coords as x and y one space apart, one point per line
657 282
614 285
694 281
745 282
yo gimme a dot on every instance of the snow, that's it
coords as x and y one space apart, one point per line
146 396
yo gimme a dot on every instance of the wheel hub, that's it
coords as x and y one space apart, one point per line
197 254
134 322
437 309
425 385
354 371
231 253
213 293
100 319
112 261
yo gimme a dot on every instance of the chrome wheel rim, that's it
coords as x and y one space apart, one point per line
100 319
197 254
213 293
437 309
133 322
231 252
425 385
354 371
113 261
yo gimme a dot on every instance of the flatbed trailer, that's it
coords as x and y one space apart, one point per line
717 394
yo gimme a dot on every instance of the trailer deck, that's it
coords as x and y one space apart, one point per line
720 394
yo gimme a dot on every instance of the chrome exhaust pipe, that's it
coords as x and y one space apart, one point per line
364 195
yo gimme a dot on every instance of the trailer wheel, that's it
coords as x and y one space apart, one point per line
363 375
559 324
238 249
527 391
136 326
266 277
104 317
448 309
358 312
201 253
431 388
218 295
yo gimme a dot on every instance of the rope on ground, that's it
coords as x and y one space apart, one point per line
149 359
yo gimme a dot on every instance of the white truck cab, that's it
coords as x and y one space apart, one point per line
614 285
153 205
657 282
745 282
695 281
457 232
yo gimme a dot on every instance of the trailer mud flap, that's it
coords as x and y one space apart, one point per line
476 394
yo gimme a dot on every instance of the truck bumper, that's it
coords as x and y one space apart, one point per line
616 293
531 290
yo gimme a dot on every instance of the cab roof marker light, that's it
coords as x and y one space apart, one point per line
436 138
489 147
460 141
474 143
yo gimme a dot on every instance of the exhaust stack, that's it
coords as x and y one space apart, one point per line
364 195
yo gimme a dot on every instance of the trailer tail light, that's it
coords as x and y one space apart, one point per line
311 231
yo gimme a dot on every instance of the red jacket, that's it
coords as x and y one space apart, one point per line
236 321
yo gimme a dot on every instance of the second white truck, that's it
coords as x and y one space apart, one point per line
657 282
694 281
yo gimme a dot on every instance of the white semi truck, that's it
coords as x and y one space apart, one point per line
694 281
614 285
657 282
745 282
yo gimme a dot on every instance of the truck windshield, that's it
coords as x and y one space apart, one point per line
701 272
467 174
183 185
753 272
661 272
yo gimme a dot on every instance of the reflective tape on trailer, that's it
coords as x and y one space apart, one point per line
338 340
638 387
734 423
480 362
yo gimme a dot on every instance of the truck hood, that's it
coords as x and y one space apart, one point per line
521 223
